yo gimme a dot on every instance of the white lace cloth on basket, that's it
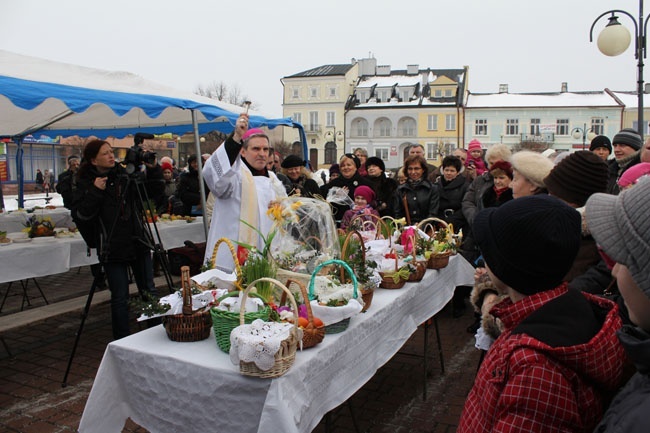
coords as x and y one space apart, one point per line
258 342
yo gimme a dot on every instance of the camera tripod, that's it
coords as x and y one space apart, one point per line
140 204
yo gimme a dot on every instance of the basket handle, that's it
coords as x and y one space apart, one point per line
242 307
355 284
232 251
303 291
346 244
425 223
378 224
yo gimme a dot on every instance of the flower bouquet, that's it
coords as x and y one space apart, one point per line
36 226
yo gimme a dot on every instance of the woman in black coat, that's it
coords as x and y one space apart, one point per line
349 180
452 188
106 197
385 187
416 199
300 181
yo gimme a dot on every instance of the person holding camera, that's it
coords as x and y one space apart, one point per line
106 198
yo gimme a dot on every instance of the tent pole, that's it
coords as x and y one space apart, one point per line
19 171
197 144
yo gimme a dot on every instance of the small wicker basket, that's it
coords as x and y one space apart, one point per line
335 328
420 270
311 334
286 355
367 291
189 325
388 278
438 261
223 322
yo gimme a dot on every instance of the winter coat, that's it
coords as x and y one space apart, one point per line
473 200
338 210
116 207
551 370
385 188
422 199
155 188
308 187
451 198
65 186
628 412
188 190
351 214
616 170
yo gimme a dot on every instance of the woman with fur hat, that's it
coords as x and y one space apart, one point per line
349 179
528 172
300 178
622 229
558 358
383 185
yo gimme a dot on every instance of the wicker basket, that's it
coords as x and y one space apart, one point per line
420 270
335 328
370 222
311 334
213 260
431 225
223 322
286 355
189 325
388 280
367 291
438 261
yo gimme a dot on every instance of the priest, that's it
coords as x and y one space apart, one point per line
237 176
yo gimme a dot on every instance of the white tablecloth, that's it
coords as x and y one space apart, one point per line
167 386
15 221
48 256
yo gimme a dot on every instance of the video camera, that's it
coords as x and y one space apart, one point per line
135 156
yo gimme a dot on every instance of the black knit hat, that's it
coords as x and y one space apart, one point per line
629 137
600 141
373 160
529 243
353 157
292 161
577 177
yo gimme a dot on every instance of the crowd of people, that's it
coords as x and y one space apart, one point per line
560 245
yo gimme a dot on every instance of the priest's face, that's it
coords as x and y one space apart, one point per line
256 152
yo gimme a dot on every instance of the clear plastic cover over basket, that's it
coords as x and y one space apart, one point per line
306 236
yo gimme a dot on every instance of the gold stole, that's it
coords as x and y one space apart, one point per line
249 209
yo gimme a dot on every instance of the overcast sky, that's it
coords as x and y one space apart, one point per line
533 46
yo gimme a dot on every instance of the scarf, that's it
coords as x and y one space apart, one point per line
499 191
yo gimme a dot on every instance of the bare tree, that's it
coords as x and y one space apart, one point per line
221 91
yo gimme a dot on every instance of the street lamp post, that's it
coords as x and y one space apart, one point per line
583 132
615 39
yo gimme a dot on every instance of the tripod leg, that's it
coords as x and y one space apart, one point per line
84 315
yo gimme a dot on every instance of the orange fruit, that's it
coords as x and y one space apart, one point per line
302 322
317 322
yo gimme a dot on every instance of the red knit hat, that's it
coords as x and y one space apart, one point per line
365 192
166 166
474 145
504 166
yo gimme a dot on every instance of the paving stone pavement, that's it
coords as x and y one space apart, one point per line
33 400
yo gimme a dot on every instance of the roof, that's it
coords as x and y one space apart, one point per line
551 99
323 71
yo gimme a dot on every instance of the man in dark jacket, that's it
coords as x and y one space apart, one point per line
65 184
627 152
188 190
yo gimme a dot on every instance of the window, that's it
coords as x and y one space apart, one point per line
330 153
562 127
384 128
512 126
360 128
534 126
448 93
313 92
437 93
450 122
480 127
332 92
432 122
597 125
297 117
405 95
383 95
295 94
331 118
432 151
313 121
363 97
382 153
408 128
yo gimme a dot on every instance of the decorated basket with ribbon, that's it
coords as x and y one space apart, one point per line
336 318
439 250
189 325
265 349
394 279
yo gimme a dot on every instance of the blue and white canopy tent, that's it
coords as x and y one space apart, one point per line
44 97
